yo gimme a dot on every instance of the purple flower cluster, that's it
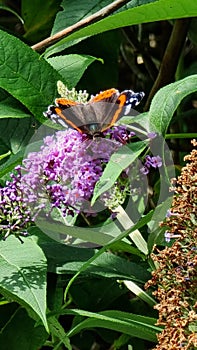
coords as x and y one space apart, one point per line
62 176
154 162
15 214
64 172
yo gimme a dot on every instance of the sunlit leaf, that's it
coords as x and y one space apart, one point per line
135 325
71 67
23 274
26 76
118 162
149 12
166 101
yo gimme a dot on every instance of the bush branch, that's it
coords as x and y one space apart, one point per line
104 12
171 57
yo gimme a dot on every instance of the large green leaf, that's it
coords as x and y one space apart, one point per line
154 11
166 101
49 246
143 221
68 260
59 231
26 76
135 325
32 338
23 274
118 162
72 13
83 236
71 67
140 124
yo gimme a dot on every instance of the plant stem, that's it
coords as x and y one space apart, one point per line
171 57
139 47
190 135
104 12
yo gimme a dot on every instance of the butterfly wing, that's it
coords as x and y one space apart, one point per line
99 114
106 108
110 105
109 95
132 99
86 118
66 113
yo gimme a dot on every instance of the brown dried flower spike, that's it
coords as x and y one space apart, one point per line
176 276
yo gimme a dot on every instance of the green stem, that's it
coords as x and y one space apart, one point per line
190 135
5 155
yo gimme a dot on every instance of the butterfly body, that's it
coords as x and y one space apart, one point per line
95 116
91 129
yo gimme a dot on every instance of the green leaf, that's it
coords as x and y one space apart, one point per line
118 162
10 164
151 12
99 236
14 137
68 260
38 17
71 13
15 133
49 247
95 293
135 289
143 221
139 124
166 101
71 67
63 232
112 266
6 8
11 108
58 332
134 325
23 274
126 248
31 337
26 76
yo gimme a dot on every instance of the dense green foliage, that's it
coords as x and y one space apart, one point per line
55 296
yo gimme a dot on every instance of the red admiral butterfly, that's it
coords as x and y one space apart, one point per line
97 115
